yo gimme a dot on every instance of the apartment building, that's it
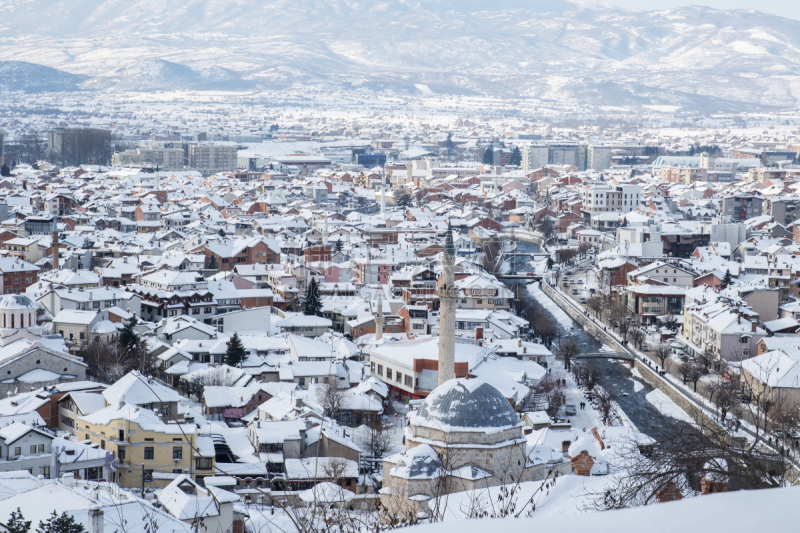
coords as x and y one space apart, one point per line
599 156
212 158
682 174
741 207
163 158
136 436
603 198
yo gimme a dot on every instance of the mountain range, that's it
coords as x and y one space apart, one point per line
556 51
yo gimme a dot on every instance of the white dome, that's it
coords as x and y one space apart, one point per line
16 302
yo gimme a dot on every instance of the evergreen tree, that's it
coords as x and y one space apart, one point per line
549 263
726 280
312 305
212 263
488 156
235 353
60 524
17 523
5 171
337 246
221 233
516 157
404 199
128 337
449 144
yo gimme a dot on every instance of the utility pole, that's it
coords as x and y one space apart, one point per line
142 480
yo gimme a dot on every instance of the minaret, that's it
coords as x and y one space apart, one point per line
325 232
383 196
448 298
55 245
379 318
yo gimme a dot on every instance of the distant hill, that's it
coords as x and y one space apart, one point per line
548 50
31 78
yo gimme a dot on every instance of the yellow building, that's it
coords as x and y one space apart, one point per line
136 437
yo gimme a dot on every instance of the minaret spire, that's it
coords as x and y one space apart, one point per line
379 317
448 298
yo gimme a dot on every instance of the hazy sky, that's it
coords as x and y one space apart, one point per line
784 8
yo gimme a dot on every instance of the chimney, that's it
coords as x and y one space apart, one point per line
519 343
68 479
96 520
753 326
479 332
41 480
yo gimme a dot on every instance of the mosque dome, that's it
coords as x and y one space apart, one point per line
465 403
17 311
17 302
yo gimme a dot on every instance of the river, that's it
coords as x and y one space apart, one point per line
614 376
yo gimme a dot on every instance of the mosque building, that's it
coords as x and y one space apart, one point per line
465 435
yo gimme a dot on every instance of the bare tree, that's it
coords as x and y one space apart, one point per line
567 349
686 370
638 335
695 373
605 402
595 304
554 395
331 397
583 248
376 441
663 352
684 455
546 228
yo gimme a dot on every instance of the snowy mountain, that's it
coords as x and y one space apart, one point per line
28 77
551 50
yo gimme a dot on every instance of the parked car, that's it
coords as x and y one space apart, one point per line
583 300
569 409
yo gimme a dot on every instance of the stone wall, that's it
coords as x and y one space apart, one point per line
579 317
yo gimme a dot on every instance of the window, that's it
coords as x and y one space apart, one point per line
388 373
196 311
121 454
380 370
18 450
44 471
82 335
177 453
33 448
399 377
103 444
409 382
41 448
121 434
149 454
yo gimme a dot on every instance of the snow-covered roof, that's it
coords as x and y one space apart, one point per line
137 389
467 404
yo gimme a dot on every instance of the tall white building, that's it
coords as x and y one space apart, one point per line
535 156
602 198
599 157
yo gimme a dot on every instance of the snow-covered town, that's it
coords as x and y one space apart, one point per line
352 309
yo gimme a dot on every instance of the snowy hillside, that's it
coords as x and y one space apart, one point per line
27 77
695 57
